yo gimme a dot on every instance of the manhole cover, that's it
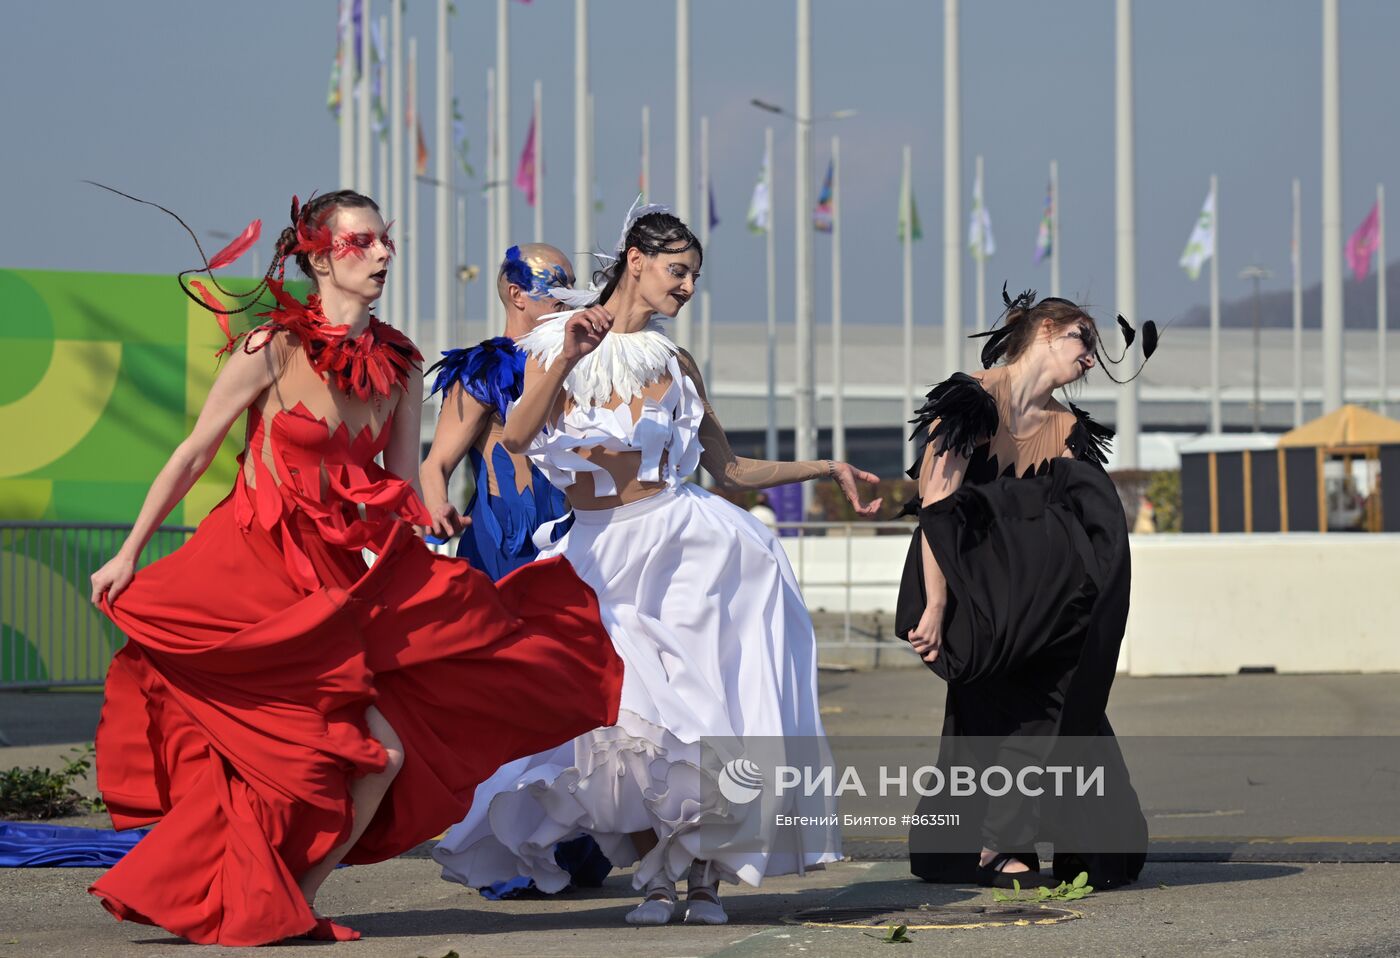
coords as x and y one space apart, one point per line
933 916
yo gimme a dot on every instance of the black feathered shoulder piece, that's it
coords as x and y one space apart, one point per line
1090 441
962 415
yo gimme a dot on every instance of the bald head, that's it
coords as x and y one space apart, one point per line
542 261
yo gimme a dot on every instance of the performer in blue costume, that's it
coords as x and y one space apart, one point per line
512 499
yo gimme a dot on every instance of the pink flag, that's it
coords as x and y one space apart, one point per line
1363 243
525 172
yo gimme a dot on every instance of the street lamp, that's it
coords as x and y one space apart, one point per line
1256 273
780 111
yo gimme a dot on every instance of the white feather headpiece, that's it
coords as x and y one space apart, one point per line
583 298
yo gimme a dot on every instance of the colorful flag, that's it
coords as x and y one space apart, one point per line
979 228
421 164
907 202
760 206
1044 241
1363 243
525 169
333 89
714 217
379 122
1200 245
821 216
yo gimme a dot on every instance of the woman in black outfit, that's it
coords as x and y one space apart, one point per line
1015 592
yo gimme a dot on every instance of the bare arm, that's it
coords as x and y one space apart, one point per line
738 472
540 396
459 426
243 379
402 451
939 477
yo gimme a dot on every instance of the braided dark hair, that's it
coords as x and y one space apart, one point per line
653 234
310 218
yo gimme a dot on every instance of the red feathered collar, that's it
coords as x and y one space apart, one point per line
370 364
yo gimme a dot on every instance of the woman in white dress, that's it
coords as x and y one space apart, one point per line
698 596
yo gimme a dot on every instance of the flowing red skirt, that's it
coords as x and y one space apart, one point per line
234 715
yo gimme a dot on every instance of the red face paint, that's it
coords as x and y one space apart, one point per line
352 244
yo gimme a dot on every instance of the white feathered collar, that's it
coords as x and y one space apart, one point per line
622 363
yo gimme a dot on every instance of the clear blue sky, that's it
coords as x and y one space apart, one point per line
217 110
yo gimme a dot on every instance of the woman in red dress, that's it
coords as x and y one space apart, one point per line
281 706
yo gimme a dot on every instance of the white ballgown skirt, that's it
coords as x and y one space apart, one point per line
707 617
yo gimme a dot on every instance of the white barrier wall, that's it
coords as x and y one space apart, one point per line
1201 605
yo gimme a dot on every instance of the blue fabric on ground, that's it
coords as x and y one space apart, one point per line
63 846
580 857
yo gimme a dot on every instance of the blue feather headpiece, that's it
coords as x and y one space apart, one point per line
536 279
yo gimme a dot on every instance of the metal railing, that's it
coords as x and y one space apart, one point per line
50 632
52 635
876 577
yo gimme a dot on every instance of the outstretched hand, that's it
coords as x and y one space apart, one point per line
584 331
846 476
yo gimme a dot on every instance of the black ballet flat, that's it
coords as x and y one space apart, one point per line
991 875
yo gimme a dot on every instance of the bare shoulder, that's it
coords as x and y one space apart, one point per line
275 341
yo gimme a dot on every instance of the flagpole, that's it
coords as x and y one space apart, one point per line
805 358
583 159
1125 259
979 256
593 192
1215 415
645 185
539 162
411 231
952 199
705 342
684 186
1380 295
770 443
1297 303
396 165
1054 228
459 299
495 248
442 206
347 96
907 201
1333 358
838 369
363 183
381 193
504 233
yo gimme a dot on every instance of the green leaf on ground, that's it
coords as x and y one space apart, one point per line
1065 891
894 935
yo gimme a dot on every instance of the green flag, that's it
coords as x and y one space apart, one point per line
909 213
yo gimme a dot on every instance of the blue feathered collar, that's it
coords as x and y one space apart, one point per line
492 372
